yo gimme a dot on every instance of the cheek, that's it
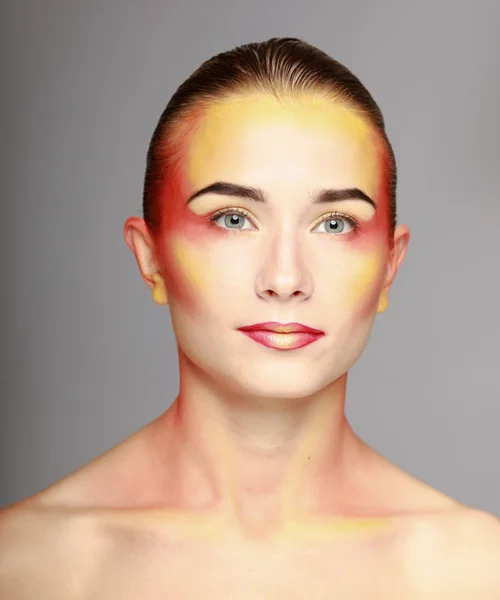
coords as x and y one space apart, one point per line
363 281
190 273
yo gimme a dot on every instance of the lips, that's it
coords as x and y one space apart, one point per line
281 328
282 336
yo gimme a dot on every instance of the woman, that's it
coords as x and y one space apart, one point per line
270 232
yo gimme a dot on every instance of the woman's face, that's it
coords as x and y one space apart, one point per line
233 261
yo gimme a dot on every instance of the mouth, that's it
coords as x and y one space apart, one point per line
282 336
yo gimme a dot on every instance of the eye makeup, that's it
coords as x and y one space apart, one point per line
332 216
230 211
335 216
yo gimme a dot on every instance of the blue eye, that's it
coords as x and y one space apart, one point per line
232 219
336 224
239 219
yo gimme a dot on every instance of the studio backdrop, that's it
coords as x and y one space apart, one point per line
87 358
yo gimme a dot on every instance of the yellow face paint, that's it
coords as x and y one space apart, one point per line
249 114
189 259
365 274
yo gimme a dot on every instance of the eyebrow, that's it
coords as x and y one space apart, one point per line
224 188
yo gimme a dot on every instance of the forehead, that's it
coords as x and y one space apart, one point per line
265 142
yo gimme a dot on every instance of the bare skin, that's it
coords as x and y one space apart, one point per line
253 484
115 530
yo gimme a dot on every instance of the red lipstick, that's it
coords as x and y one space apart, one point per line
282 336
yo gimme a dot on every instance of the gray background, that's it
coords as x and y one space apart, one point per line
87 358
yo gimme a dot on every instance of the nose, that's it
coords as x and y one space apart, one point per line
283 275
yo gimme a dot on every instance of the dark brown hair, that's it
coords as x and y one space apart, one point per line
280 67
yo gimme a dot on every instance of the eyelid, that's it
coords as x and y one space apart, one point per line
332 215
247 214
231 210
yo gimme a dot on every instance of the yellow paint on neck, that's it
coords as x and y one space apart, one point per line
327 528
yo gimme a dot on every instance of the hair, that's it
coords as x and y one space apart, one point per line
281 67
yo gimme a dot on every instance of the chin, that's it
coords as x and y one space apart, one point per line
280 391
289 383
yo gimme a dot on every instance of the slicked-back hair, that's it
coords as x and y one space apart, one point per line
281 67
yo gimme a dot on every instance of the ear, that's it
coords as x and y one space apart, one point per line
138 238
396 256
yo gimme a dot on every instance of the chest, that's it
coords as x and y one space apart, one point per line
185 570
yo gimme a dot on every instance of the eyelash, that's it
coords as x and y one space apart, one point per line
244 213
334 215
230 211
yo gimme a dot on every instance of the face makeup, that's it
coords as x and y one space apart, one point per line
248 230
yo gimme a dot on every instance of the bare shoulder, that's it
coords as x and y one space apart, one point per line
38 543
464 529
477 535
60 529
456 554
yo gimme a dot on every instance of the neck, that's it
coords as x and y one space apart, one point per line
262 462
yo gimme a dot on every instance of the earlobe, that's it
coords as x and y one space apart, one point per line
383 302
140 242
159 291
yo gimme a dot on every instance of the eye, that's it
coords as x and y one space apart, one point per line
232 218
336 223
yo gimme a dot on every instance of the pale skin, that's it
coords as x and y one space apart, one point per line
253 484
